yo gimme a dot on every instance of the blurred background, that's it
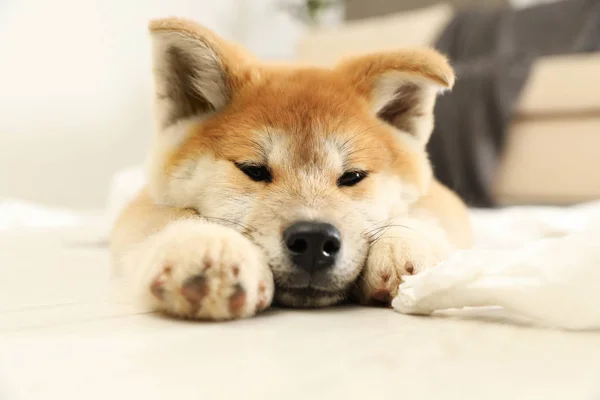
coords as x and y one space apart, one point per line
521 127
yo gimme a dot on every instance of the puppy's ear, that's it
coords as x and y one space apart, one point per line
195 72
401 87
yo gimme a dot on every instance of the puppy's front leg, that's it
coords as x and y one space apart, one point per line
403 247
188 267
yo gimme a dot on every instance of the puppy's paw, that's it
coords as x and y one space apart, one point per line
199 270
400 251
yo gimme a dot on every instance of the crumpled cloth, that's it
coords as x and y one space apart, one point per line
553 280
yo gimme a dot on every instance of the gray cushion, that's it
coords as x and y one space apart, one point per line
359 9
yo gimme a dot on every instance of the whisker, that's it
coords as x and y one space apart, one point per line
376 239
376 224
376 229
343 146
178 177
238 223
365 149
376 234
386 237
367 159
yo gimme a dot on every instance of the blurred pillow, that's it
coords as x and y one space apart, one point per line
408 29
530 3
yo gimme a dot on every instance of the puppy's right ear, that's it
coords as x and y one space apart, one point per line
195 72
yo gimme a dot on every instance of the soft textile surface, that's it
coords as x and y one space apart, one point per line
492 52
16 215
541 264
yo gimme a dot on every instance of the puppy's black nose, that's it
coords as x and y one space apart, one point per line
312 245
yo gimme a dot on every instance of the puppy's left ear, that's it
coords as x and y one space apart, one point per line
401 87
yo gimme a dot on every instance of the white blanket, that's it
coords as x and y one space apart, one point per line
539 263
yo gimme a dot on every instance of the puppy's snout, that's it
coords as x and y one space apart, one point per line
312 246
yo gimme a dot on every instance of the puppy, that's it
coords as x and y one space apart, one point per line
305 186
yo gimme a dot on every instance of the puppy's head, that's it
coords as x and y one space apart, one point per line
308 163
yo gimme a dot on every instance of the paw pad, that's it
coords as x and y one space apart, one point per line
237 300
409 267
262 291
157 287
195 289
382 296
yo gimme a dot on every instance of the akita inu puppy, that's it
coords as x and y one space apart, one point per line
305 186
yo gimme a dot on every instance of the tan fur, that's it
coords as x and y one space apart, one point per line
309 126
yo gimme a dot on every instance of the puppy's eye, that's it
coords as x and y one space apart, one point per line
258 173
351 178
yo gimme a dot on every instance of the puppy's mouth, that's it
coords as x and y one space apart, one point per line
307 297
